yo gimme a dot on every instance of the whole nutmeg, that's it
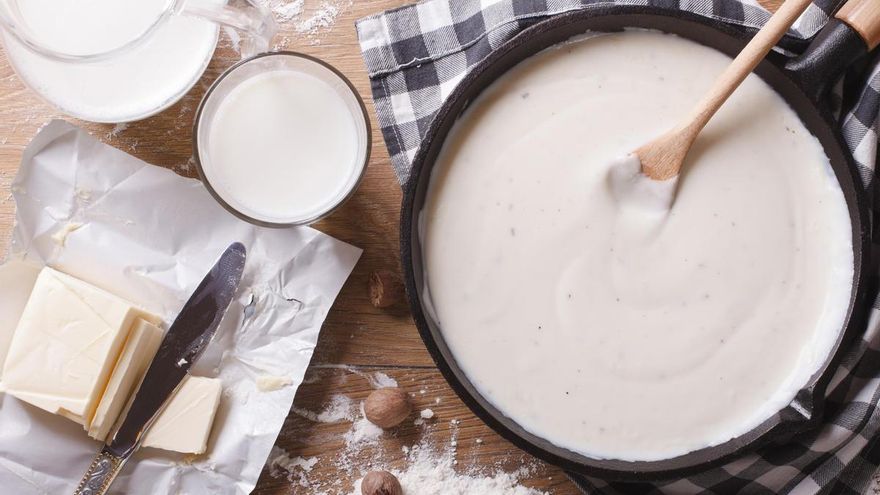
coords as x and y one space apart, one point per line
387 407
380 483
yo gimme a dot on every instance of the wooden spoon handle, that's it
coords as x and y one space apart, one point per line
864 17
662 158
747 60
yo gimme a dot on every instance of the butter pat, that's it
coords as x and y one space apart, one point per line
270 383
140 348
66 345
185 423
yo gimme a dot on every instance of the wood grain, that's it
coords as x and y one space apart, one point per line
355 334
771 5
864 17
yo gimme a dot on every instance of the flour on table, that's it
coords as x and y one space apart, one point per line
376 380
279 459
430 467
284 10
340 409
362 432
323 18
117 129
185 167
424 415
429 472
381 380
299 19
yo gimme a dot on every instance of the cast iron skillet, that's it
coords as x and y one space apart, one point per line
803 82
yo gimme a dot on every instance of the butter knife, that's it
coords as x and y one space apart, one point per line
181 347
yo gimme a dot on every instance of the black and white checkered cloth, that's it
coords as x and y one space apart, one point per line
416 55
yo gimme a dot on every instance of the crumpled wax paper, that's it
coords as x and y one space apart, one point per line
150 236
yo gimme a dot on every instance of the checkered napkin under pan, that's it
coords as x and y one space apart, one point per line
415 56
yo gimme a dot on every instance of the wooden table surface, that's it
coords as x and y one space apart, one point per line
357 339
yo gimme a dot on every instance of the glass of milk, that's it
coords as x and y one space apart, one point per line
281 139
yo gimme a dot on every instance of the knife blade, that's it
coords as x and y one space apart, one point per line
182 345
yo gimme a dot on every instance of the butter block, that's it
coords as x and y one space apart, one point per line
139 350
185 423
17 279
66 345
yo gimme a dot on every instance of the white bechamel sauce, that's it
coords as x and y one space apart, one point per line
283 146
130 86
619 332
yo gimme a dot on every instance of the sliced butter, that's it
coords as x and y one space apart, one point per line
185 423
66 344
139 350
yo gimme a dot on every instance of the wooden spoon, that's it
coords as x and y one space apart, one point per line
662 158
864 17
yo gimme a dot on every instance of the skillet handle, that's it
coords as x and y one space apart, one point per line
864 17
853 32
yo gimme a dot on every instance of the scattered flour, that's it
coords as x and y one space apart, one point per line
298 19
428 468
284 10
424 415
323 18
340 409
185 167
117 129
428 472
279 459
362 432
377 379
381 380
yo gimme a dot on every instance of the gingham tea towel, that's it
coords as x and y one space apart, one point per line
415 56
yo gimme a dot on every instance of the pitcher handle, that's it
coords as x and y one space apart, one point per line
254 21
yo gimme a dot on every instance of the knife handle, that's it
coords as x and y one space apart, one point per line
101 474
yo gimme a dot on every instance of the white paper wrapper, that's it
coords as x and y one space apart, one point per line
150 236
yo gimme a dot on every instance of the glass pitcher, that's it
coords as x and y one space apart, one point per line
23 19
122 60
